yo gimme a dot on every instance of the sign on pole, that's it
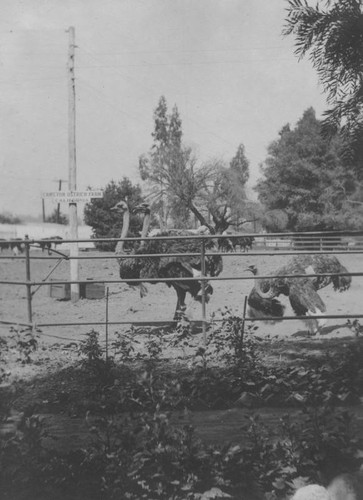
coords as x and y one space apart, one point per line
72 196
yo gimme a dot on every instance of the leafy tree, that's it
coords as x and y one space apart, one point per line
57 218
334 39
239 166
181 187
104 222
223 194
7 218
306 177
238 175
275 221
164 160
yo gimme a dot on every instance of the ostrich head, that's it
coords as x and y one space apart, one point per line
120 207
143 208
252 269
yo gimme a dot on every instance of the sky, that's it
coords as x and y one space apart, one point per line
223 63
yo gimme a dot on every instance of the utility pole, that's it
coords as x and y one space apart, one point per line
60 181
72 180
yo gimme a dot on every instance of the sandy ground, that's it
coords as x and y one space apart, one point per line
125 303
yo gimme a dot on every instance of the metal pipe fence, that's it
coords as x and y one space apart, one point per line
307 243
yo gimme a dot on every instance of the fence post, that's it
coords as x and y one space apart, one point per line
244 319
202 254
28 285
106 324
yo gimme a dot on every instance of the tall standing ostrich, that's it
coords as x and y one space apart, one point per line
302 291
168 266
129 268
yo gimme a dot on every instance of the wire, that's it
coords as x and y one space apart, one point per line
193 120
108 100
175 63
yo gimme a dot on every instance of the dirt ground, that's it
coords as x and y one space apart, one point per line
125 303
58 343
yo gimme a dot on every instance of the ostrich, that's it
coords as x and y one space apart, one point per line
44 244
17 248
3 244
230 244
168 266
302 292
129 268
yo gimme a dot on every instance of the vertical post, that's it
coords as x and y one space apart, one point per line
43 209
28 285
203 294
72 181
58 206
244 319
106 324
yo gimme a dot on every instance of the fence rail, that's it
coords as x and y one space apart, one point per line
308 243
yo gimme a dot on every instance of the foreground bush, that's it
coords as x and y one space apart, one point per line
142 456
133 452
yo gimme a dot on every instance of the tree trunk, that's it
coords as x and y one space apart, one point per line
201 218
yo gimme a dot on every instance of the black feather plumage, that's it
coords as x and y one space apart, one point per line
301 291
162 264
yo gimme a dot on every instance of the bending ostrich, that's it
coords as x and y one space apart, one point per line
302 292
168 266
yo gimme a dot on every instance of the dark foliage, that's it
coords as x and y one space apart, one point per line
134 451
307 184
333 38
57 217
104 222
9 219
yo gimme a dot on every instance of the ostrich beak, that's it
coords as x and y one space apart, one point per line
115 208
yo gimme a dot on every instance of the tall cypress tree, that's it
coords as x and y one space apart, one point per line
164 161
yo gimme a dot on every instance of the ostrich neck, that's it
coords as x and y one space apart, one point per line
145 229
125 229
266 295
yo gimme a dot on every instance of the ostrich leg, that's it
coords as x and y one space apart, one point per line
180 305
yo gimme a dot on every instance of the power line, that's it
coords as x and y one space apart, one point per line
108 100
187 51
175 63
209 132
36 80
